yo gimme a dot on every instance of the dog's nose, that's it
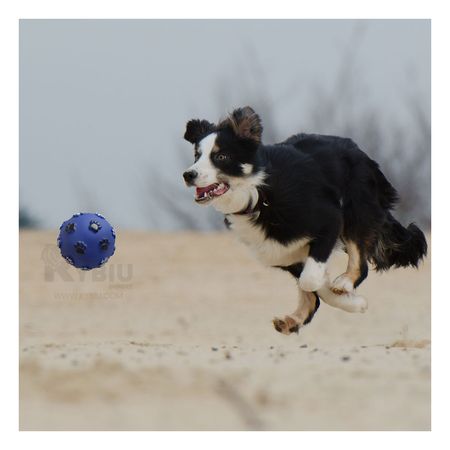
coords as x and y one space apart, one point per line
190 176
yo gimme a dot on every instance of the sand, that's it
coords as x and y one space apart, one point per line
175 333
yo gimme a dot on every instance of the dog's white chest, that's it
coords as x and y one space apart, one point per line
267 251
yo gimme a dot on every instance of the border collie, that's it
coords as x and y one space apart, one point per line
296 202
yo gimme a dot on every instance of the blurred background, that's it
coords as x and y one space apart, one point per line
103 105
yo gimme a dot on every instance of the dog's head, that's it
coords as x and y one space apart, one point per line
224 155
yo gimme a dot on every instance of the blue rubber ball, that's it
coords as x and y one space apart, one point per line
86 240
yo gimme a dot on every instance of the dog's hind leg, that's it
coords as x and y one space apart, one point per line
307 306
349 302
356 272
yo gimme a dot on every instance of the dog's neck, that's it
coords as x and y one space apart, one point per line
240 200
243 195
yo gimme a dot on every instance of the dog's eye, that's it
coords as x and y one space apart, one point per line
221 157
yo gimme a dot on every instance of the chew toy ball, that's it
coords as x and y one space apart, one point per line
86 241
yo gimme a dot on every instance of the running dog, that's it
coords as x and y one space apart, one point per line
296 202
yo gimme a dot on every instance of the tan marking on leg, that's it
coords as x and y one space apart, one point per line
345 283
292 322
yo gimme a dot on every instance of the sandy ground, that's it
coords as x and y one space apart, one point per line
175 333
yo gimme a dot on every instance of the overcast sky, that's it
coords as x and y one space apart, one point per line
103 103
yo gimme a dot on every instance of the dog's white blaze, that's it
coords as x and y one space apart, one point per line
267 251
247 168
313 276
207 173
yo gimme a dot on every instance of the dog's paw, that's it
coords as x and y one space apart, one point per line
342 285
356 304
287 325
361 304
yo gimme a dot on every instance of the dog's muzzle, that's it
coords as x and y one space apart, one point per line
189 177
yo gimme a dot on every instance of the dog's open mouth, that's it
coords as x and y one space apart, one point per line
203 194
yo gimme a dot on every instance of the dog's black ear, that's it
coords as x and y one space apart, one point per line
197 129
246 124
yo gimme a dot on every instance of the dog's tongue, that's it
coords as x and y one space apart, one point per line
201 190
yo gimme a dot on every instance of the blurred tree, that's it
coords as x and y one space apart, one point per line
26 220
402 148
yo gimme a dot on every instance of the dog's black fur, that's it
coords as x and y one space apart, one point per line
325 187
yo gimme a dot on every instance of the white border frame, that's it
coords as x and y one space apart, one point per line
9 15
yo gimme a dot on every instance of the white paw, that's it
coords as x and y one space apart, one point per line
342 285
359 304
313 276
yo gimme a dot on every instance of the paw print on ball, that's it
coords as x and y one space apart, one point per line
80 247
71 227
95 226
104 244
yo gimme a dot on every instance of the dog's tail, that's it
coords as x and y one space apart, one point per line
398 246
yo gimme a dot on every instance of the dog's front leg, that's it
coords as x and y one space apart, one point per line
314 275
308 303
